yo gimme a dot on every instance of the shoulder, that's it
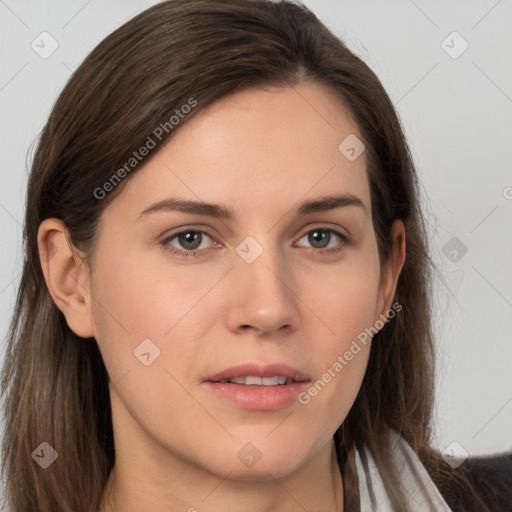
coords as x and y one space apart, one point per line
491 477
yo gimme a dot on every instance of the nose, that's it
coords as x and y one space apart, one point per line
264 297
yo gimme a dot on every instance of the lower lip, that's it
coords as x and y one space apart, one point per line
257 397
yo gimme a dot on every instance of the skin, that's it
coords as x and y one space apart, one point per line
260 153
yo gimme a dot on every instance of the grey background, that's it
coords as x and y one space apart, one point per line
457 114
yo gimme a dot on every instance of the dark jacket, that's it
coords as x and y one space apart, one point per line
491 476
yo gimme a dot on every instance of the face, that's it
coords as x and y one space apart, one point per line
272 285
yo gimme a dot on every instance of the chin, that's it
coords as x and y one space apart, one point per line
259 460
261 472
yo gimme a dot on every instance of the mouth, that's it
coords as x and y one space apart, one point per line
253 380
259 387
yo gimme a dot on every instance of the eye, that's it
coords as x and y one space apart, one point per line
320 238
187 242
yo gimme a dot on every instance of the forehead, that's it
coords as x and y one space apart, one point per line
260 148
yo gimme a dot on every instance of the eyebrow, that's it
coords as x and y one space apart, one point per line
217 211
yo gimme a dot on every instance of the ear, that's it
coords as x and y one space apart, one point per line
391 269
66 275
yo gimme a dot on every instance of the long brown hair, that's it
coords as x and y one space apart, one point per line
54 383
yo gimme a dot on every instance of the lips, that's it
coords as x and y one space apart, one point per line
258 387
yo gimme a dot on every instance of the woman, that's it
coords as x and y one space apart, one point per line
225 296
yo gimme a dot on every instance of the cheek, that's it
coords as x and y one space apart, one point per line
145 321
135 299
345 300
135 306
345 296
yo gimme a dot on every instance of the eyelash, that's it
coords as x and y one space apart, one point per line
185 254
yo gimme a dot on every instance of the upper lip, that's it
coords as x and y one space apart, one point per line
258 370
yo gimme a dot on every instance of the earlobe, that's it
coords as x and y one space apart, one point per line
66 276
392 268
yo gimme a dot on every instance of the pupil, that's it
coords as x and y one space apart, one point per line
321 236
192 238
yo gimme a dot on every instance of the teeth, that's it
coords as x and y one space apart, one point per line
237 380
251 380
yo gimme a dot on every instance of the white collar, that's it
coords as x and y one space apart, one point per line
422 494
